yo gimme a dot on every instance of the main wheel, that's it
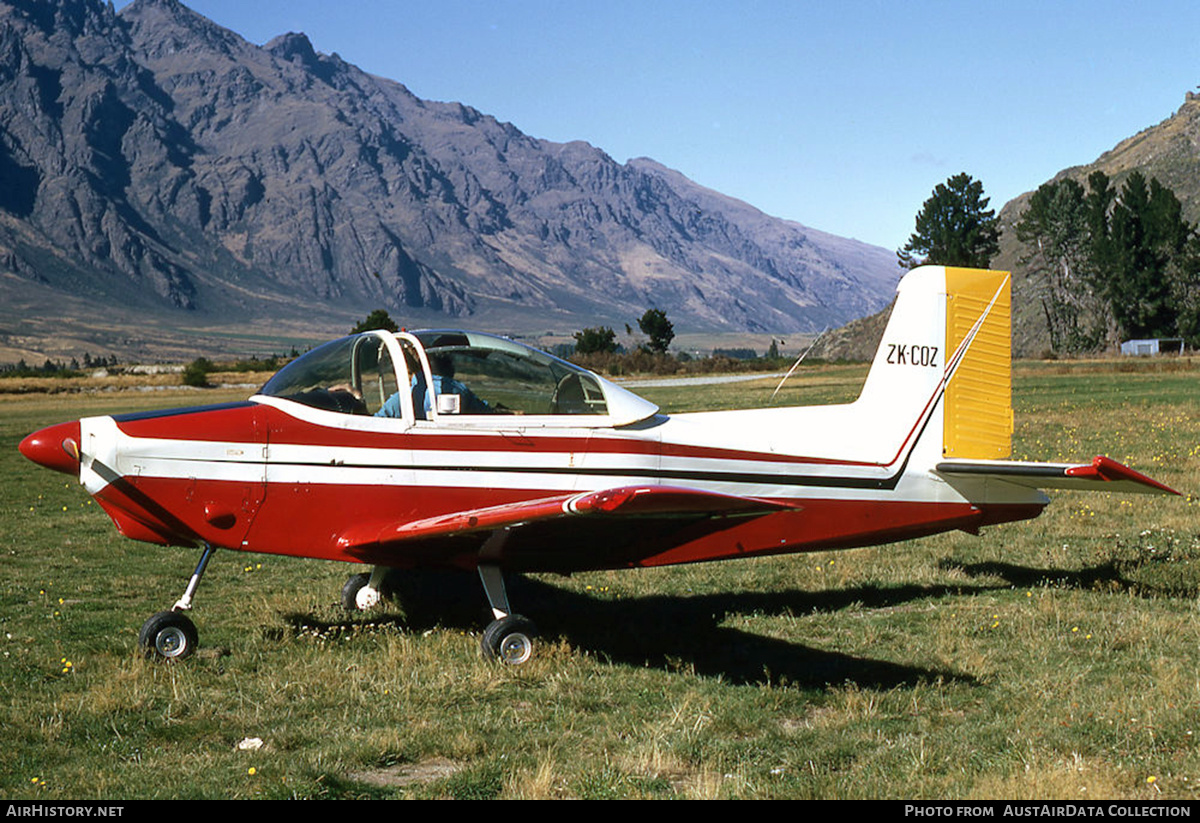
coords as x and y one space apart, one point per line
169 635
357 596
509 640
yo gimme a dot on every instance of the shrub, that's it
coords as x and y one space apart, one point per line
196 372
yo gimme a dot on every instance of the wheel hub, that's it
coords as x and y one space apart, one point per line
366 598
515 649
170 642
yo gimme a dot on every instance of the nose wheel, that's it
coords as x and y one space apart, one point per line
172 635
168 635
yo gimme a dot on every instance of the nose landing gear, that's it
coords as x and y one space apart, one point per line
172 635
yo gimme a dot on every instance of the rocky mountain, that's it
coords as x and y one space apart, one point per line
855 342
1169 151
156 168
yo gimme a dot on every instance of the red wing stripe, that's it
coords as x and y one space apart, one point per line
659 500
485 519
629 501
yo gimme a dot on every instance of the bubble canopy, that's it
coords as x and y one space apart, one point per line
455 378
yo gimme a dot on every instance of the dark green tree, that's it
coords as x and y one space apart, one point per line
378 319
953 228
1185 291
1144 255
1124 259
655 325
1056 229
196 373
600 339
1146 234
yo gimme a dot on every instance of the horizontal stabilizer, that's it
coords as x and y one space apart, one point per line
623 502
1102 474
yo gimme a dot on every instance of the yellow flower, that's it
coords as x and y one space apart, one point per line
251 771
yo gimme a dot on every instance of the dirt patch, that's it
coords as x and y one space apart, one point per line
406 774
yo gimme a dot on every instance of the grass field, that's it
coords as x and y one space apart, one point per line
1058 658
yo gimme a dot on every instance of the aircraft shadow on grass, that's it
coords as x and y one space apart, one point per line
676 633
1110 576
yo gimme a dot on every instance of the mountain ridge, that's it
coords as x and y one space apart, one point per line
165 168
1168 150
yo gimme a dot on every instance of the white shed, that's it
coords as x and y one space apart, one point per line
1149 348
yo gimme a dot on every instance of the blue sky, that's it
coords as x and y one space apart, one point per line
839 115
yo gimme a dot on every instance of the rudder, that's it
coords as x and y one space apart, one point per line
977 414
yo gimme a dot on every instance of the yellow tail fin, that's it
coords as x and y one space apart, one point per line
978 421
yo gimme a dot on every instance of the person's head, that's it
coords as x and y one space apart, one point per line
442 364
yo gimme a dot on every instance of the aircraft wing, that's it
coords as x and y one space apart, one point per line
626 503
1102 474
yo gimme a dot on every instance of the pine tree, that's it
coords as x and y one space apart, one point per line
1057 229
378 319
1133 261
655 325
600 339
953 228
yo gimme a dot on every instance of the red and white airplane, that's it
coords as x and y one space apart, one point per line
454 449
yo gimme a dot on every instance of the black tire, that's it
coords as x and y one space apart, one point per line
168 636
509 640
351 589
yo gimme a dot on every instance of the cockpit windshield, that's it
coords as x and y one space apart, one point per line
353 375
448 376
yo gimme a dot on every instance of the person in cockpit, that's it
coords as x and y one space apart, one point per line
444 382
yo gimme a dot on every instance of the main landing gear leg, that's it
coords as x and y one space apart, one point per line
509 638
172 635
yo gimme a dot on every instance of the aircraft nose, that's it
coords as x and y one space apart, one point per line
55 447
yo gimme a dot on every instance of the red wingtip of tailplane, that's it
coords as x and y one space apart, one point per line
1107 469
